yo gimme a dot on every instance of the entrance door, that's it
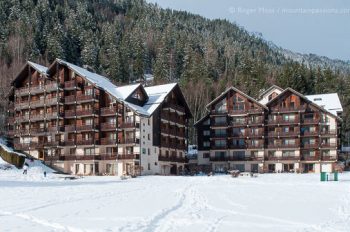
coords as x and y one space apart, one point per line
254 168
173 169
272 167
309 167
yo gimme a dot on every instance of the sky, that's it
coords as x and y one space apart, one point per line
321 27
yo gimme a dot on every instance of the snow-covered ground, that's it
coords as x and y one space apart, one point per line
271 202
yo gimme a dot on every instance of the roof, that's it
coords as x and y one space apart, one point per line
236 90
305 98
329 101
41 69
156 94
269 89
38 67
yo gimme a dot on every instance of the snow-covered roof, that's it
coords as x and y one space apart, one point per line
125 91
329 101
156 94
38 67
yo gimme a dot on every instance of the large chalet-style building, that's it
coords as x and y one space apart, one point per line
81 123
282 132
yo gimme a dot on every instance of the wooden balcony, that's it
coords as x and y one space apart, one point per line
70 85
80 157
173 145
285 158
329 158
256 134
108 111
86 142
326 133
242 123
280 145
127 125
309 146
236 158
172 159
53 86
329 145
255 146
22 105
259 121
255 111
129 141
218 124
108 141
280 120
309 133
53 101
37 131
37 117
219 136
310 158
239 135
108 156
128 157
173 118
23 118
174 107
219 147
238 112
71 99
237 146
310 121
288 134
80 113
69 128
106 126
37 103
289 109
85 128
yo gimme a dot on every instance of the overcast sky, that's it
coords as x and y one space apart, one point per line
307 26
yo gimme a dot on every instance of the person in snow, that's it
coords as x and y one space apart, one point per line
25 169
44 173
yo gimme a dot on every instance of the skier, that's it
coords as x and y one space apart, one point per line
25 169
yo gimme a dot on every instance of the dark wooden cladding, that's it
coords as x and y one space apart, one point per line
289 122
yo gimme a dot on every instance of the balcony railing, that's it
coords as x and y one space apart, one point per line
37 103
310 133
311 120
108 111
310 157
80 157
127 125
85 127
108 141
172 159
109 156
237 146
308 145
129 141
108 126
174 107
328 132
329 158
69 128
240 123
82 112
255 146
289 109
273 158
219 124
329 145
237 158
86 141
173 118
70 84
128 157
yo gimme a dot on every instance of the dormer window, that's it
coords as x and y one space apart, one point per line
317 99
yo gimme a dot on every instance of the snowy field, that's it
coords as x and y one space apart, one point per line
271 202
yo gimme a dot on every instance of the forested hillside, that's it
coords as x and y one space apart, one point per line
125 39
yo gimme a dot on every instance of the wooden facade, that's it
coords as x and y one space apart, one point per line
63 118
288 133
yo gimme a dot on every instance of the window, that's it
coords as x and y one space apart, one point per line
206 144
149 166
270 97
149 136
238 103
271 153
206 155
289 117
109 168
220 154
89 151
220 132
238 120
72 151
77 168
149 151
239 155
288 153
143 150
288 141
88 92
238 131
254 153
206 133
206 122
220 143
220 120
220 107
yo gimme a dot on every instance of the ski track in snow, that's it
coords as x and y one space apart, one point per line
172 204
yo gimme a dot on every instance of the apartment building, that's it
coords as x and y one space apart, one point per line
80 122
284 131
